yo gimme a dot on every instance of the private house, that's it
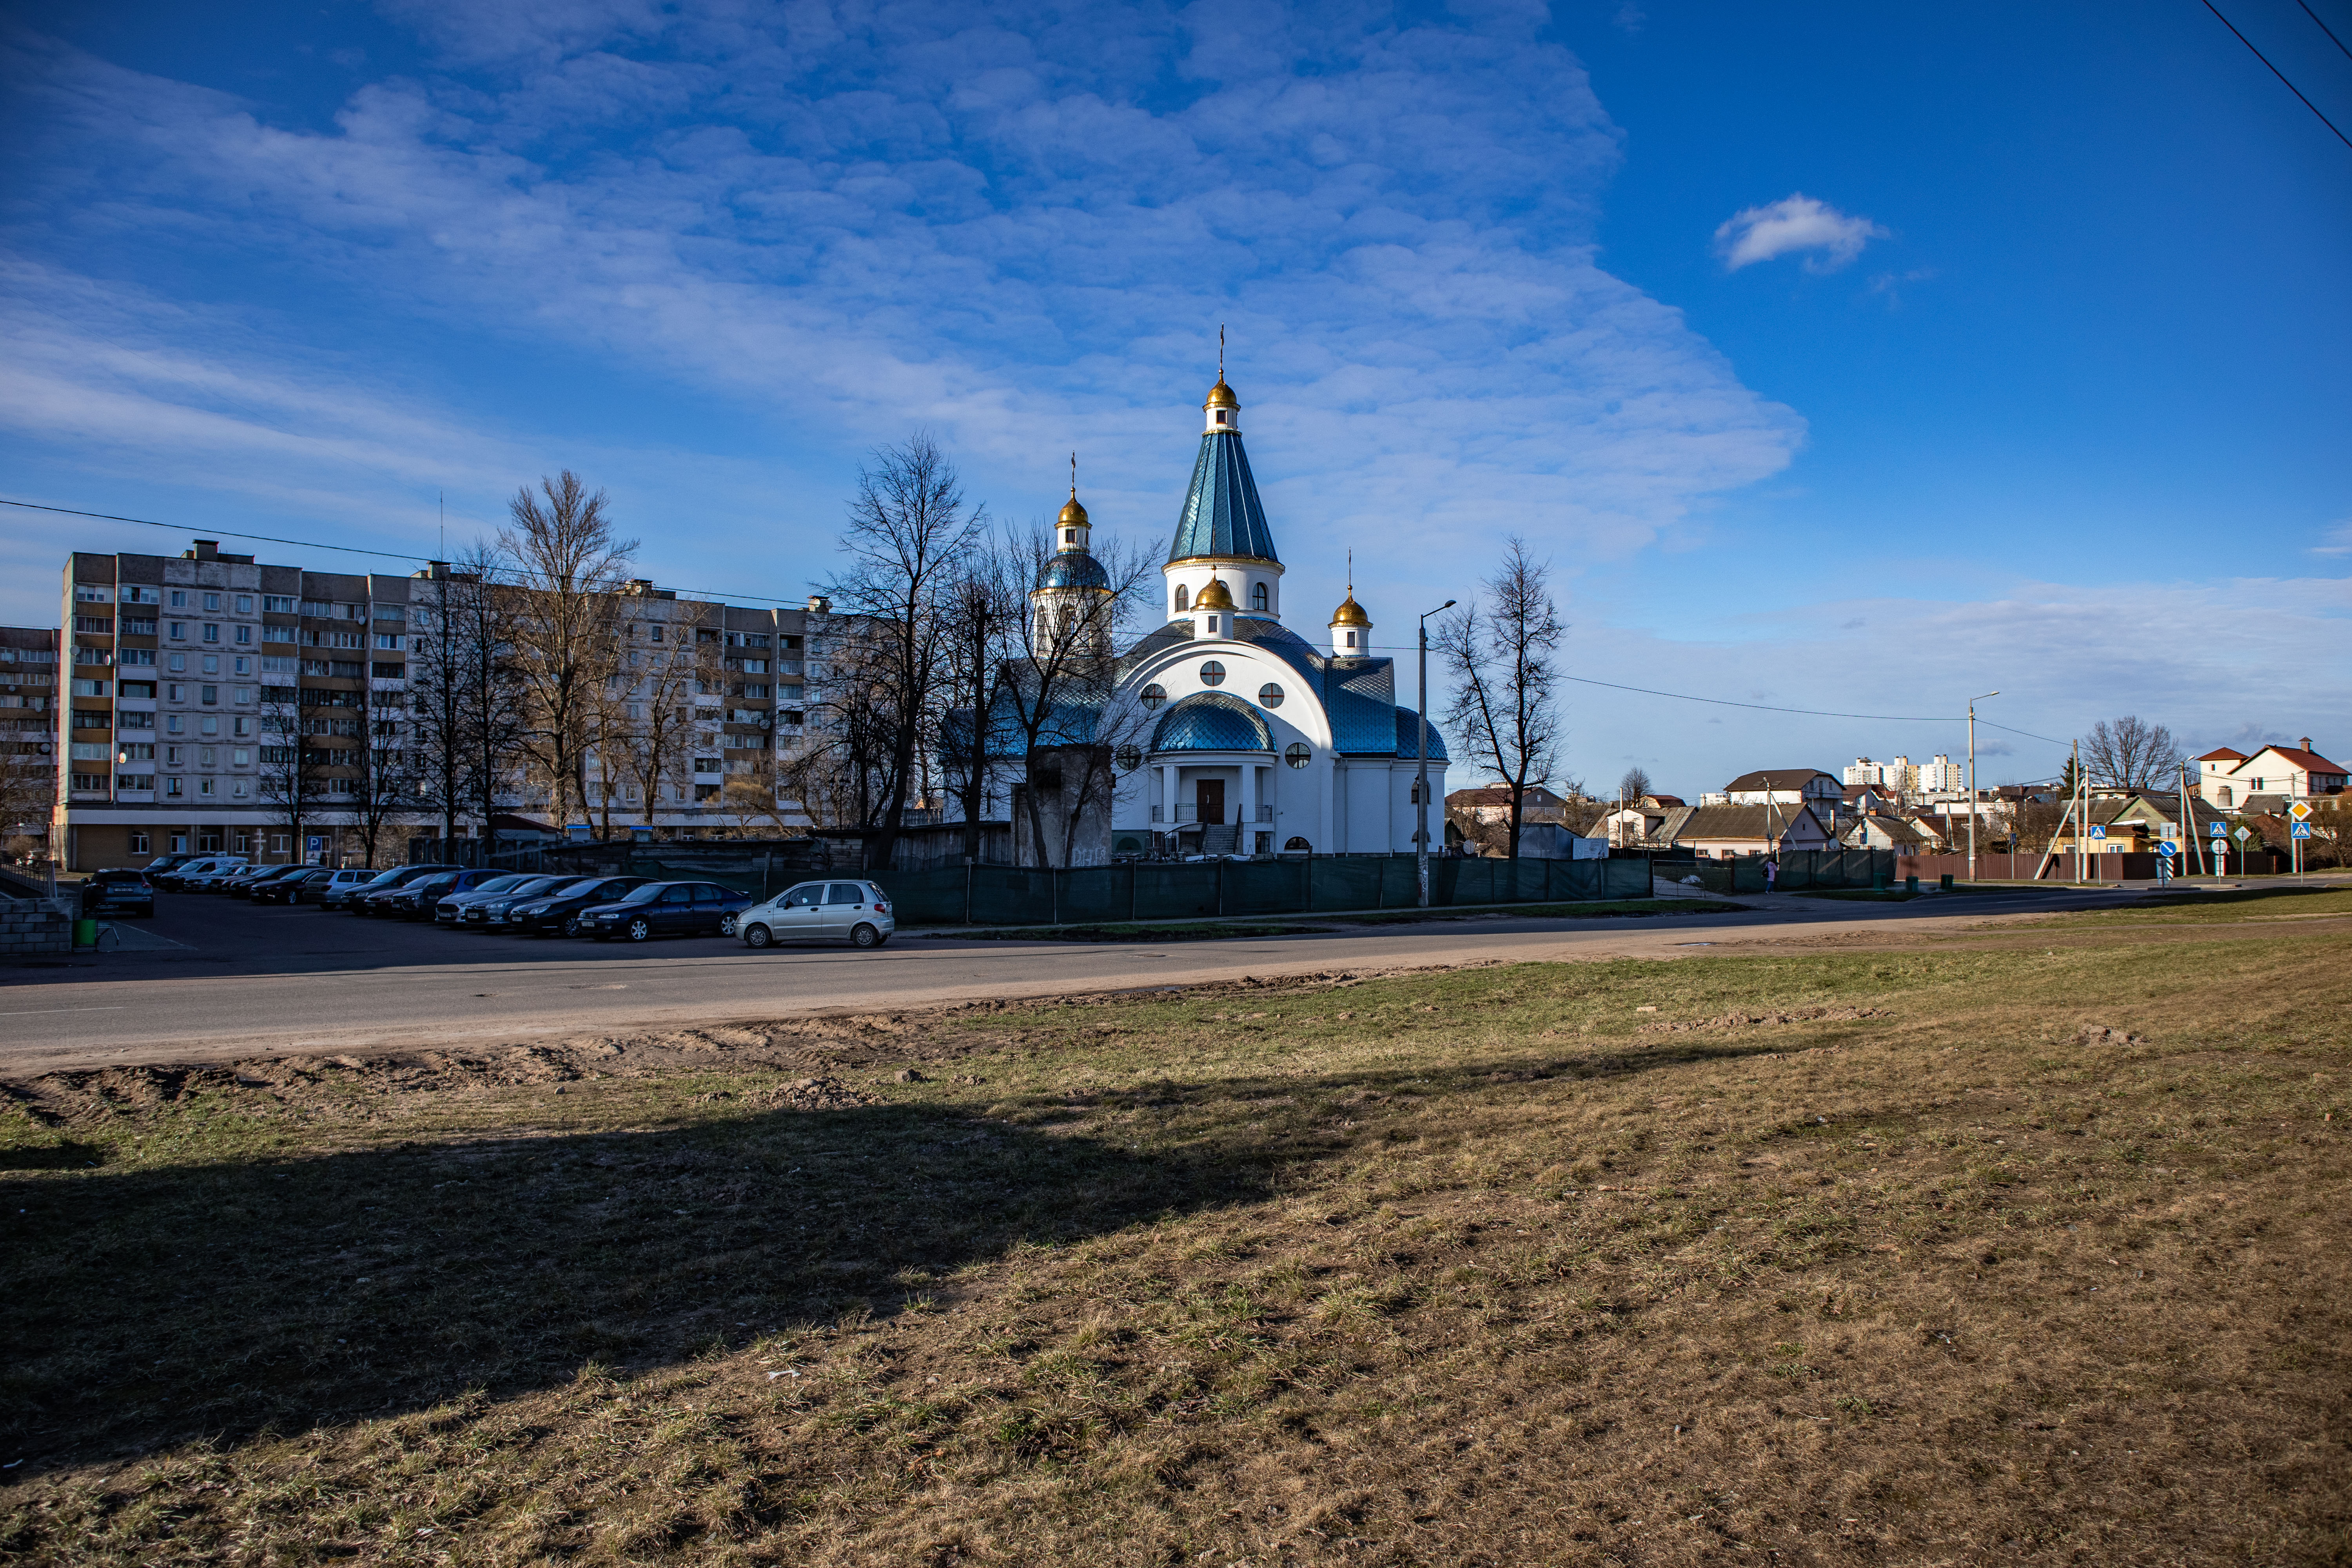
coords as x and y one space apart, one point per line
1635 827
1879 831
1492 802
2273 777
1723 832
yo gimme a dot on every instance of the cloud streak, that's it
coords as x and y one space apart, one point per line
1794 223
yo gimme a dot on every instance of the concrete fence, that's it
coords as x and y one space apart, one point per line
35 928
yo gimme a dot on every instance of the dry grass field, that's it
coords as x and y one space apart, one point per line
1943 1256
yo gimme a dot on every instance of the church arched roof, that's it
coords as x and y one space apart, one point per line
1212 722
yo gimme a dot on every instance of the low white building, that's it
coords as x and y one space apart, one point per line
2231 779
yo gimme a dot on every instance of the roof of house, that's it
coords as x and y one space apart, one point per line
2223 754
1500 794
1757 822
1897 831
1782 778
2309 761
1662 801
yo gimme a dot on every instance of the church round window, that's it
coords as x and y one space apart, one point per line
1299 754
1270 695
1154 695
1131 758
1212 673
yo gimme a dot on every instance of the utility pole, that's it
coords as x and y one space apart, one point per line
1421 789
1972 785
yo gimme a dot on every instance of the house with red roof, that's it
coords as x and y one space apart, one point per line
2272 776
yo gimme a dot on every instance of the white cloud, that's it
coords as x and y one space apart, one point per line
2338 540
1791 224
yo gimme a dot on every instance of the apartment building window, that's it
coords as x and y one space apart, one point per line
175 630
242 664
278 634
95 626
179 598
241 725
208 756
240 789
134 780
91 594
139 628
208 725
390 612
285 843
245 604
86 783
139 840
208 695
204 787
88 688
212 631
244 635
212 664
175 692
139 655
142 751
177 663
277 604
135 595
174 786
392 642
755 688
273 664
135 721
384 671
90 752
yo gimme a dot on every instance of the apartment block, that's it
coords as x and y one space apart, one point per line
185 675
28 734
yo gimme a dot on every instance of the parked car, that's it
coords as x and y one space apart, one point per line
178 877
283 889
665 909
855 912
451 905
207 875
115 891
489 913
416 900
363 900
246 887
163 863
558 908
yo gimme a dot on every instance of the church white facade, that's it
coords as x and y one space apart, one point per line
1239 735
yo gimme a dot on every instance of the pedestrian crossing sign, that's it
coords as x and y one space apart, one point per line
2300 829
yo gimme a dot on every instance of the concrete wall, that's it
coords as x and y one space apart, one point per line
35 928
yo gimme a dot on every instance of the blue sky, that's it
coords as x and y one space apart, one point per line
1837 358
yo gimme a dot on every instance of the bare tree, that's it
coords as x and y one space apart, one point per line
381 790
647 731
1579 811
1053 705
764 798
1499 655
559 613
983 615
909 531
294 755
2131 753
1634 786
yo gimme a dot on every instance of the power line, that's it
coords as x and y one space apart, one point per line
2278 73
346 549
2324 29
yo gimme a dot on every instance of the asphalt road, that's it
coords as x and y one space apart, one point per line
220 978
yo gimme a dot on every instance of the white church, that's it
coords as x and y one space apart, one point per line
1259 741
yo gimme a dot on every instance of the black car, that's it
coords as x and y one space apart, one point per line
118 893
416 900
451 908
559 908
490 913
368 897
304 884
250 886
666 909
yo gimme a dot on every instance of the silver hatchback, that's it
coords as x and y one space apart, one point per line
855 912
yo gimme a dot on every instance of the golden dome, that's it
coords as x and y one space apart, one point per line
1222 396
1350 613
1216 596
1073 514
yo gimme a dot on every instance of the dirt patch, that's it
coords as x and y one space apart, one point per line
1754 1020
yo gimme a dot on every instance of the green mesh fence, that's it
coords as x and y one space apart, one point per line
1002 895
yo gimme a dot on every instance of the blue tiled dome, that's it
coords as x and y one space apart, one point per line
1073 568
1212 722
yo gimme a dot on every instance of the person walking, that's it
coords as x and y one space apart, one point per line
1771 871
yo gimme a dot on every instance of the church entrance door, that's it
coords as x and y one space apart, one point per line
1209 794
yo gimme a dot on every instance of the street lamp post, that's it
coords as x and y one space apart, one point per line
1972 785
1421 789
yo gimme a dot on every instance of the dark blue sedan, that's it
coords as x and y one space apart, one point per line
666 909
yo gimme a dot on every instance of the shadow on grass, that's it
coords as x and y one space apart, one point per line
144 1309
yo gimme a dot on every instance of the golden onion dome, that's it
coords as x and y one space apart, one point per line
1222 396
1216 596
1350 613
1073 514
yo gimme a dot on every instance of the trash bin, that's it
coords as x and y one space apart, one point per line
84 932
1947 882
1911 884
1878 883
